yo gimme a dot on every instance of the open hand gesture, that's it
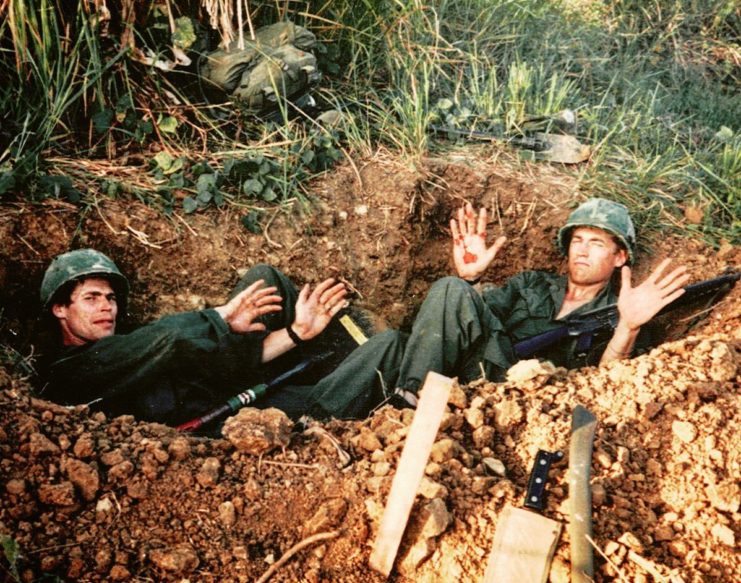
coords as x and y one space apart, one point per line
637 305
241 311
471 256
315 309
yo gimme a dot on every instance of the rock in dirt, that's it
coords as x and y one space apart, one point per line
507 414
180 560
209 473
16 486
179 448
457 397
84 476
530 371
84 446
329 515
444 450
227 514
724 535
40 445
257 431
119 573
431 522
725 496
57 494
684 431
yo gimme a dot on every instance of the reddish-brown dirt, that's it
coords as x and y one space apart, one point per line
93 499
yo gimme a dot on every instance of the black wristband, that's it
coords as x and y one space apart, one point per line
297 340
472 281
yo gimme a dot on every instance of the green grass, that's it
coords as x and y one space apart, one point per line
654 85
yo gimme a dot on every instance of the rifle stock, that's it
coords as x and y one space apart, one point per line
605 319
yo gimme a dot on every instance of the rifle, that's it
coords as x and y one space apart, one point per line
552 147
250 395
587 325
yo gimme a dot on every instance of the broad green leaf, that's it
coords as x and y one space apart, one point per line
189 204
252 186
201 168
307 157
177 180
724 134
124 103
163 160
168 125
102 121
264 168
251 222
177 164
445 104
206 183
60 187
7 182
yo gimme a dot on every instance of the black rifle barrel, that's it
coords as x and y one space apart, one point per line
605 318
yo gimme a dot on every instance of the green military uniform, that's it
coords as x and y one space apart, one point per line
456 333
459 332
178 367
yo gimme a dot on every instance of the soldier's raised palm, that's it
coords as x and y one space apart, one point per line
471 256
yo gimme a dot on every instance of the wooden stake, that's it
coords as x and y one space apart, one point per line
422 432
523 547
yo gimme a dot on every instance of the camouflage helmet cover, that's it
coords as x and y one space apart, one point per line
81 263
600 213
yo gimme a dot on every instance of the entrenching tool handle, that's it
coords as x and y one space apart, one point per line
433 401
583 425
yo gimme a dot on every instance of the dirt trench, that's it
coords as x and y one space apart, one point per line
93 499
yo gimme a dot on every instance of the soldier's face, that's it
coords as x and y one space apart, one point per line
90 315
593 256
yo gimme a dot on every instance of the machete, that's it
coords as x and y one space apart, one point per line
524 541
583 425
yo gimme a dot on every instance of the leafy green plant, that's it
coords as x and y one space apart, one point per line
12 554
652 84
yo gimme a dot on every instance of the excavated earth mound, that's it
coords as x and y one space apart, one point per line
86 498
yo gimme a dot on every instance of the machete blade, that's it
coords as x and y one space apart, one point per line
583 426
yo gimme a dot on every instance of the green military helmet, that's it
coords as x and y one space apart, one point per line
599 213
82 263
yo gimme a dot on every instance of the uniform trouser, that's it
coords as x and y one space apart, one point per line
454 334
294 399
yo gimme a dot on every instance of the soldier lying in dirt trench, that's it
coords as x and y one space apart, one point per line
183 365
180 366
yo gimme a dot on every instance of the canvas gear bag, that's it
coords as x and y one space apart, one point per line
277 64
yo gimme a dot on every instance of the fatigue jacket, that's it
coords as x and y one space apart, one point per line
527 305
168 371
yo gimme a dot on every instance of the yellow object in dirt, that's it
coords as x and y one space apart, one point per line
353 329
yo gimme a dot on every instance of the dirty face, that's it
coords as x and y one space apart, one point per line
90 314
593 256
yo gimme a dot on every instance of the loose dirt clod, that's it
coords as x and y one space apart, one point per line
258 431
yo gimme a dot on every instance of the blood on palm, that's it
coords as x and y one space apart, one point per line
469 257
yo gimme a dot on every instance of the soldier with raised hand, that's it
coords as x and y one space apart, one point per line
464 329
179 366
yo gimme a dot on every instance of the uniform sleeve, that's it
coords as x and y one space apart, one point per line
152 355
